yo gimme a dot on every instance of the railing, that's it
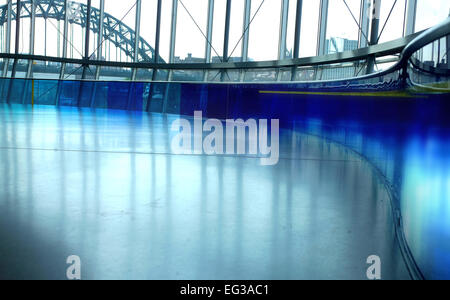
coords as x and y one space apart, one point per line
428 65
328 67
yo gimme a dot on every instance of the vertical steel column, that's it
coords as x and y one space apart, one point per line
447 55
87 38
282 47
282 43
226 37
71 39
410 17
246 34
64 49
86 55
158 32
17 42
32 36
157 38
137 36
8 38
376 5
99 49
45 37
364 22
323 21
298 30
100 37
58 39
173 35
65 37
209 32
156 55
16 50
246 28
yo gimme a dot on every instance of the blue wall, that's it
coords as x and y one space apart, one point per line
239 100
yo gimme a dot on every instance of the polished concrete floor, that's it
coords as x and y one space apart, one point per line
104 185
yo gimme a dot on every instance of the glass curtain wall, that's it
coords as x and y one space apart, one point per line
190 38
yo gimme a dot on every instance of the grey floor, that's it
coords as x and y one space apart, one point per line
105 186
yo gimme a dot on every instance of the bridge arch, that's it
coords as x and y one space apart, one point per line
116 32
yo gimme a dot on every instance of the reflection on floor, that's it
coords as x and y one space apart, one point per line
105 186
416 160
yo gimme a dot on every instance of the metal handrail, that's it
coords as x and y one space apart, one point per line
423 39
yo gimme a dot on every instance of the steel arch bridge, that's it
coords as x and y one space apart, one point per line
116 32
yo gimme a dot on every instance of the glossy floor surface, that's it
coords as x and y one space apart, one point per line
105 186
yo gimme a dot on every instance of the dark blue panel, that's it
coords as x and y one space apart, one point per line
86 93
100 95
118 95
69 93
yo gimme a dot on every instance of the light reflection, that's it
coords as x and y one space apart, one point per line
134 214
417 164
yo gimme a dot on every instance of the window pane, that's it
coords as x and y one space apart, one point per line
291 28
75 39
25 22
148 23
264 30
394 25
166 23
236 30
430 13
93 36
310 28
220 7
342 30
148 27
191 30
116 45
